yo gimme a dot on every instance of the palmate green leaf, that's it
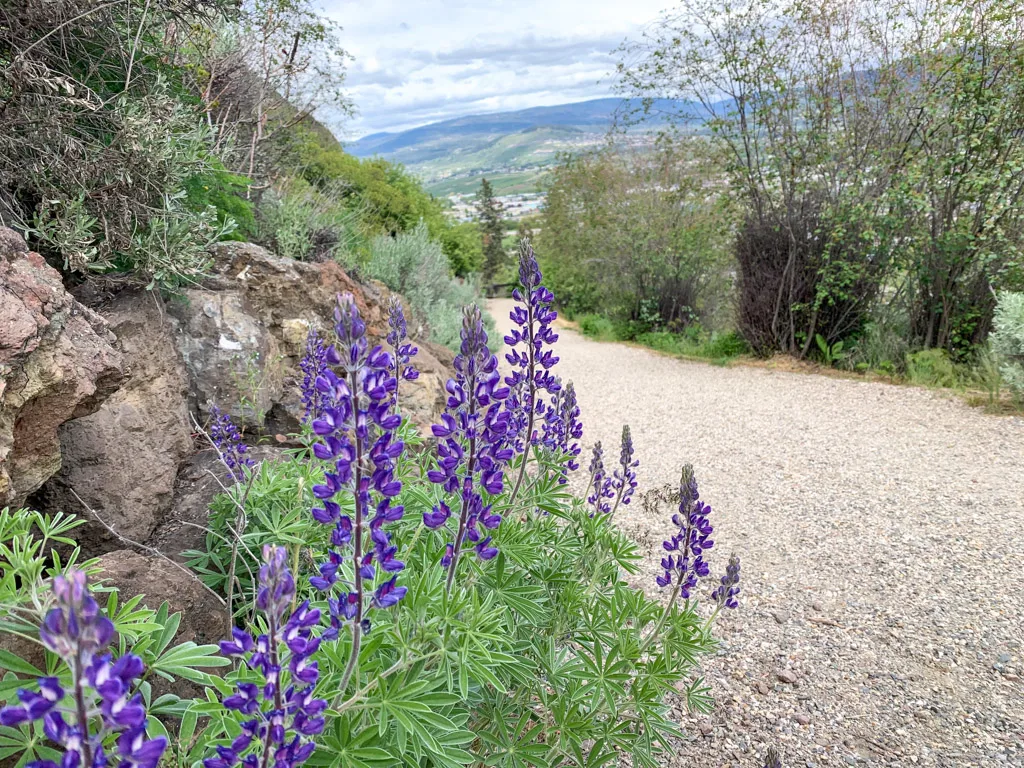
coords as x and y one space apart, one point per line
185 660
13 663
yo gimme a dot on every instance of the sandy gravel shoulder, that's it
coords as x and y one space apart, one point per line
881 530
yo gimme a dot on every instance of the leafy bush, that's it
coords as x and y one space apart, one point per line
301 222
513 611
932 368
1008 339
597 327
415 265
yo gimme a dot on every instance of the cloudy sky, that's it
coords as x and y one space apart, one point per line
418 61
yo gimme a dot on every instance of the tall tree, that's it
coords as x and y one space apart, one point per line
492 230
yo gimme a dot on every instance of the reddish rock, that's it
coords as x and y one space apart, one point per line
57 361
122 460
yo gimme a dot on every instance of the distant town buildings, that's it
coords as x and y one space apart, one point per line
463 206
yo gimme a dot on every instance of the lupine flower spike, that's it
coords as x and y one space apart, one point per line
227 440
402 352
685 563
563 428
357 437
623 479
313 365
282 714
471 452
599 490
531 375
725 594
101 688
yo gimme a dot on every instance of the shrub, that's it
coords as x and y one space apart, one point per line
1008 339
305 223
596 326
426 611
415 265
932 368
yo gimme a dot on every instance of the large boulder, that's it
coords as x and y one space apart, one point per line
122 460
281 300
57 362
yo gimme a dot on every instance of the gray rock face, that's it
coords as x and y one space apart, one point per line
57 362
233 361
122 460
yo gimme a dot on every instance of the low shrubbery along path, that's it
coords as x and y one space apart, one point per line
881 530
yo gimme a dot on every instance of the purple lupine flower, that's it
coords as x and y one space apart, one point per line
100 700
531 375
281 714
563 428
599 490
471 452
401 351
313 365
357 437
685 563
623 479
227 441
725 593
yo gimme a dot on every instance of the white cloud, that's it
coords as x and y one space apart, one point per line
424 60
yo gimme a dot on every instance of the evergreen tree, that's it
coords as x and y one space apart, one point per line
492 229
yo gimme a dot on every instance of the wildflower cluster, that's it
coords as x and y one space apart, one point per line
357 436
402 352
227 440
471 450
564 429
686 563
313 365
284 716
531 366
100 700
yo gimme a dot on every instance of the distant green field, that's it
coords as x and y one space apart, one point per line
504 184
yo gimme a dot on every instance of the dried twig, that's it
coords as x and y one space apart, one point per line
147 549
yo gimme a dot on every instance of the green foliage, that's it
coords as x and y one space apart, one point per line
492 231
416 266
638 237
830 353
306 223
1008 340
874 168
224 192
932 368
462 245
28 559
597 327
548 632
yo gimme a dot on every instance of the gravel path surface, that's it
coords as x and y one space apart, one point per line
881 530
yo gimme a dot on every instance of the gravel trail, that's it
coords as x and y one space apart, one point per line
881 530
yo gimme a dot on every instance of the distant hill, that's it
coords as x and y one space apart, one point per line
452 154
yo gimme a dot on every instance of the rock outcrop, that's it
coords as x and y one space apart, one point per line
243 332
57 362
122 460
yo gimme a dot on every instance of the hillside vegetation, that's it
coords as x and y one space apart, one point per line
857 198
134 135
